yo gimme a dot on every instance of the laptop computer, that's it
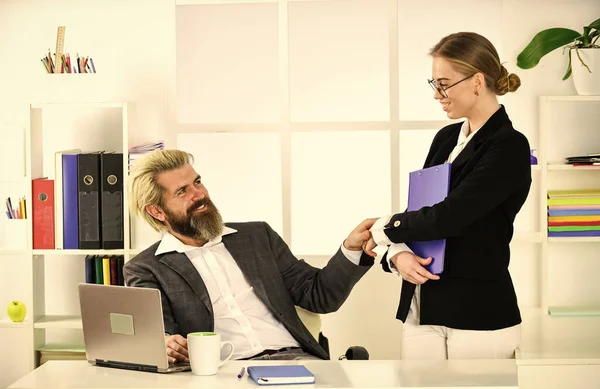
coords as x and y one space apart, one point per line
123 328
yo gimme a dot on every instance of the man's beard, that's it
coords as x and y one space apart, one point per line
205 225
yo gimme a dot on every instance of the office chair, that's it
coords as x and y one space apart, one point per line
312 321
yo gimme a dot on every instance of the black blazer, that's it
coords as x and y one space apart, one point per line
490 181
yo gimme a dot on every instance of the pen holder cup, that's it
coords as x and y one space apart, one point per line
13 234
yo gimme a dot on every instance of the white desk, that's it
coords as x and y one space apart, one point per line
498 374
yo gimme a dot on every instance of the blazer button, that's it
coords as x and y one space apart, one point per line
397 223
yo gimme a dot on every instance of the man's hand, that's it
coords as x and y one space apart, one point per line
368 247
410 267
359 235
176 348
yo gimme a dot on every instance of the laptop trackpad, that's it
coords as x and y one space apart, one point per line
121 324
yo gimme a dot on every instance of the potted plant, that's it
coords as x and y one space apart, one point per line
585 69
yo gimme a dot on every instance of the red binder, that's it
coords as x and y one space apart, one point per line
43 213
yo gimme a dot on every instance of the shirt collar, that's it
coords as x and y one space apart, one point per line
170 243
464 135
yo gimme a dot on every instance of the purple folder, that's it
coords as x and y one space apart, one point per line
70 201
558 234
428 187
573 212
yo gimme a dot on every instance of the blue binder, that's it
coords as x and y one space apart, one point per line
428 187
70 202
281 375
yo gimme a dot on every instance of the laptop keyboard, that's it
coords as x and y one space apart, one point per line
178 364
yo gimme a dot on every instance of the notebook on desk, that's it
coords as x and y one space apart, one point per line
428 187
281 375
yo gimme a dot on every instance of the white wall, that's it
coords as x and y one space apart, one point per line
133 43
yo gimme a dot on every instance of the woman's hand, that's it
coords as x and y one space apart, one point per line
410 267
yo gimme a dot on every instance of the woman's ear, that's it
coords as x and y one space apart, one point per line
479 83
155 212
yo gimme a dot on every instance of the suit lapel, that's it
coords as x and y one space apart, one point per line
488 130
463 157
181 264
247 258
442 154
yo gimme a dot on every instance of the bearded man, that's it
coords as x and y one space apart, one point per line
237 279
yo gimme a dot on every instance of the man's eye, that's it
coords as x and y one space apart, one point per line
442 85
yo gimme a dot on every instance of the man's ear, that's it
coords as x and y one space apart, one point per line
156 212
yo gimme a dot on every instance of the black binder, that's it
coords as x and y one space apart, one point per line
111 186
120 264
88 188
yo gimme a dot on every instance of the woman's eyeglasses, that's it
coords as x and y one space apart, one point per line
442 90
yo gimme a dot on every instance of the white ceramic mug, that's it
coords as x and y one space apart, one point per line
204 350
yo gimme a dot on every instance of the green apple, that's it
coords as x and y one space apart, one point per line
16 311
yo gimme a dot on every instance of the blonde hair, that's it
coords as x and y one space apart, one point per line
472 53
144 189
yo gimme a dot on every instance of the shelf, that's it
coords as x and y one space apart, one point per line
15 252
572 98
62 348
79 105
6 323
80 252
562 166
575 239
574 311
59 322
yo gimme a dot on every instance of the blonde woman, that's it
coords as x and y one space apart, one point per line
470 310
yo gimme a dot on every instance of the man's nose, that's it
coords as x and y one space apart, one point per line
199 193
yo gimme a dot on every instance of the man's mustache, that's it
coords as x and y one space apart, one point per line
198 204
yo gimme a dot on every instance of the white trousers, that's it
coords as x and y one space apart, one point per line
439 342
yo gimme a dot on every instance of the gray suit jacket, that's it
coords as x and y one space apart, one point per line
279 279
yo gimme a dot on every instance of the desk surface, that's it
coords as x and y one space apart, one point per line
492 374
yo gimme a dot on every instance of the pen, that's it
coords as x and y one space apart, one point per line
241 373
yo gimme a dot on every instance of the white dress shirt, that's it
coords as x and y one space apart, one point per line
240 316
377 229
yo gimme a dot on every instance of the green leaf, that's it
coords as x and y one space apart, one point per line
586 36
569 69
543 43
595 24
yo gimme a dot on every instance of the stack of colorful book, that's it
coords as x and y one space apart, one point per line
136 152
573 213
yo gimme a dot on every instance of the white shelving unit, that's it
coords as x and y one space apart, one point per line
72 322
555 145
80 252
6 323
103 126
